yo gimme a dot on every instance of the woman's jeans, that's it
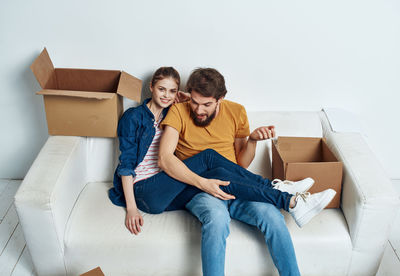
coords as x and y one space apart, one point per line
163 193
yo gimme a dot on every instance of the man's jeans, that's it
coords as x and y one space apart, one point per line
163 193
215 214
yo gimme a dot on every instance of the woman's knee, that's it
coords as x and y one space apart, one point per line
219 173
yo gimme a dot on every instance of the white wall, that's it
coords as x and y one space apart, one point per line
275 55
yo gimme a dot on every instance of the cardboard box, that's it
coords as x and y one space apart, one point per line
94 272
83 102
295 158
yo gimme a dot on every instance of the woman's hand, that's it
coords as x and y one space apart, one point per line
182 97
133 220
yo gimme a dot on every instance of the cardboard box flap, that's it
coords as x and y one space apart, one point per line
327 155
43 70
80 94
130 87
94 272
278 166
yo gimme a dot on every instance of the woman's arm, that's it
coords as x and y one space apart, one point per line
133 219
127 128
128 144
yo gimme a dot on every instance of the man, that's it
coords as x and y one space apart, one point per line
209 121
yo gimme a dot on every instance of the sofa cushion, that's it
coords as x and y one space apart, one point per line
169 243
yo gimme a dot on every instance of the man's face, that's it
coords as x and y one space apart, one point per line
203 109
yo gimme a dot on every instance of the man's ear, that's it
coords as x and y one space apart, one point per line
220 100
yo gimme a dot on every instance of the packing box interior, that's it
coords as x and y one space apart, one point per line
83 102
295 158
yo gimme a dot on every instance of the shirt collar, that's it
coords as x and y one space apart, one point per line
164 112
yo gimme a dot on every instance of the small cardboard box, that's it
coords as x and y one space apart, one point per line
295 158
94 272
83 102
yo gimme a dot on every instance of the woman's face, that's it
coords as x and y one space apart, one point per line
164 92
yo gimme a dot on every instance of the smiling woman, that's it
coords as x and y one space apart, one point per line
164 87
163 95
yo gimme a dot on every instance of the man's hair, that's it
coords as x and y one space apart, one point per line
208 82
165 72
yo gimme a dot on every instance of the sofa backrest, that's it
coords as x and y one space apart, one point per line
102 158
103 153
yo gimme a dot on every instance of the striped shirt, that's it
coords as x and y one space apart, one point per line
149 166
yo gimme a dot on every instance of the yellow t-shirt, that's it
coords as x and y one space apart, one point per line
231 122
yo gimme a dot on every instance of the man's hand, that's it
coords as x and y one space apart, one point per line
262 133
175 168
182 97
211 186
133 220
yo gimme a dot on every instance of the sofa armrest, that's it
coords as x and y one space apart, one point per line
369 200
46 197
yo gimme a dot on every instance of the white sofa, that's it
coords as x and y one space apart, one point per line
71 226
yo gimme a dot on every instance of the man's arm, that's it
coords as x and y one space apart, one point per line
245 149
175 168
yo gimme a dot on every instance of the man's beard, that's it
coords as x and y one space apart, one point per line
204 123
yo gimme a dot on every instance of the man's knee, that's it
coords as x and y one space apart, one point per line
211 211
269 218
264 216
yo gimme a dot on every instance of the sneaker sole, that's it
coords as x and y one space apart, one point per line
316 210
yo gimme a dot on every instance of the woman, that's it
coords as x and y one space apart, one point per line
139 182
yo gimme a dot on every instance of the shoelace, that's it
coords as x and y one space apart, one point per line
303 196
277 183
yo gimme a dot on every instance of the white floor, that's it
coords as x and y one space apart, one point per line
14 257
16 261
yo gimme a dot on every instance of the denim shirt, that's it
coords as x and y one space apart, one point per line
135 133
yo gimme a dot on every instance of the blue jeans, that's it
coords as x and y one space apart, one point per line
163 193
215 214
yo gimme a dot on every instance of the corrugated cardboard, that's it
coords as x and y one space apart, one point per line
83 102
94 272
295 158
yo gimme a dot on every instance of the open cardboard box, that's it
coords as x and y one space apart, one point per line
83 102
94 272
295 158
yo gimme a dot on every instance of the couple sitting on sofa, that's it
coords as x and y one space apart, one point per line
193 155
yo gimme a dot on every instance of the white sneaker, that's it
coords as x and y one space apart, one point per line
308 206
293 187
